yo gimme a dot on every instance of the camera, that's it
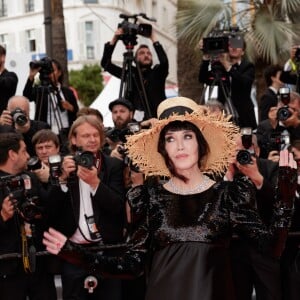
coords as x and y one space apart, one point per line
279 141
218 41
34 164
284 113
84 158
19 117
46 68
119 135
19 188
54 168
244 156
131 30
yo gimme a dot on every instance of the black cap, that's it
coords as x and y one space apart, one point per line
121 101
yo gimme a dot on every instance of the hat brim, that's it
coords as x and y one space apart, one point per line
217 130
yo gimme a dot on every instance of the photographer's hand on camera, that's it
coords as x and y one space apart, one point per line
6 118
43 173
89 176
224 59
273 155
68 167
250 170
293 120
8 208
33 72
116 36
118 152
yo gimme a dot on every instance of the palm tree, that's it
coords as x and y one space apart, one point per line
55 34
270 28
59 43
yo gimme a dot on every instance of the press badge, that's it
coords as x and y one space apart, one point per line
93 230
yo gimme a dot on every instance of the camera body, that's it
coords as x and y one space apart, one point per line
132 29
46 68
34 164
19 117
84 158
119 135
20 189
284 113
218 41
244 156
279 140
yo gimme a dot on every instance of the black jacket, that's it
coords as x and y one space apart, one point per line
269 99
10 241
8 86
108 203
237 83
154 79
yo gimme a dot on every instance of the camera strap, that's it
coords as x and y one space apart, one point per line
25 252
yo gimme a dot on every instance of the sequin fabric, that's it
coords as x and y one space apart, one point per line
162 218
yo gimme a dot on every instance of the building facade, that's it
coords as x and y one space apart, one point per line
88 25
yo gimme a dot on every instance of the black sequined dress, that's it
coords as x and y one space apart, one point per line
188 236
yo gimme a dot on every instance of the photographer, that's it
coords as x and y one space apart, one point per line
21 227
8 81
153 78
55 103
45 143
292 69
251 268
88 207
122 114
17 116
233 75
280 118
269 99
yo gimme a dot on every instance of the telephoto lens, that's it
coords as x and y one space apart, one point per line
19 117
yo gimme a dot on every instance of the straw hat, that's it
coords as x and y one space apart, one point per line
217 130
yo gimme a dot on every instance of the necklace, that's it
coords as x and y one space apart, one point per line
203 186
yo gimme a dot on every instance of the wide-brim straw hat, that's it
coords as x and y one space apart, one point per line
218 131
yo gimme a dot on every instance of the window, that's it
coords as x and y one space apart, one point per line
90 1
30 35
154 9
29 5
89 40
3 40
3 8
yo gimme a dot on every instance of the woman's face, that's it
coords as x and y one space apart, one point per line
182 149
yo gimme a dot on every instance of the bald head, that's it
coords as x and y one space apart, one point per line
18 102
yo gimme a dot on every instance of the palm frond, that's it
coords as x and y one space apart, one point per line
270 38
289 6
198 17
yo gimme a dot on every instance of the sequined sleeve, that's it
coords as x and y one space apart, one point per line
131 262
246 220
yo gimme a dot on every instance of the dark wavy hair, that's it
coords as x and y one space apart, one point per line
9 141
203 147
